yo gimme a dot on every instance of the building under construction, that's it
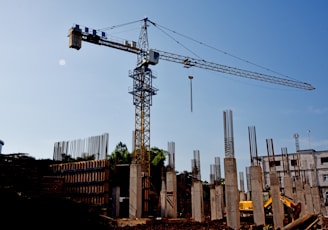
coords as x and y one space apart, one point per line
90 182
305 168
181 198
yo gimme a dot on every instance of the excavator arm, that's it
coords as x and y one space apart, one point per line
295 207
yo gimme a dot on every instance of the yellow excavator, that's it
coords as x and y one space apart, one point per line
294 208
292 212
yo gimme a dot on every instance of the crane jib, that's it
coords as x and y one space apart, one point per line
192 62
77 35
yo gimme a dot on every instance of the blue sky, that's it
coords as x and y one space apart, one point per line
51 93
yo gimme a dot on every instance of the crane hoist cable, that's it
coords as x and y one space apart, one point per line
162 28
178 42
120 25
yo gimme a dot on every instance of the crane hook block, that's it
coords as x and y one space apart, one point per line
75 37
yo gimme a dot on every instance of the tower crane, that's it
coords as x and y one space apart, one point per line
143 90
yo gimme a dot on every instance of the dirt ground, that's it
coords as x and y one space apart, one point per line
171 224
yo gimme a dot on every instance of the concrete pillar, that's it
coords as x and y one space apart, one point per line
308 199
231 193
277 206
213 203
135 196
242 195
116 201
217 202
197 201
216 198
248 195
316 200
220 201
171 194
317 207
257 195
300 195
288 186
163 199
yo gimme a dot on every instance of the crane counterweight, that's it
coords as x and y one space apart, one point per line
75 38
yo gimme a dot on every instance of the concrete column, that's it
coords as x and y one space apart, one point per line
116 201
163 199
197 201
213 203
317 207
216 198
277 206
300 195
308 199
257 195
316 200
220 201
171 194
242 195
288 186
231 193
135 196
248 195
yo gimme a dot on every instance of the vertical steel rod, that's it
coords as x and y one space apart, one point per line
190 77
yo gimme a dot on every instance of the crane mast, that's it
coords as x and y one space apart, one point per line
143 90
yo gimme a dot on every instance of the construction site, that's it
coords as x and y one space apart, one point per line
95 193
82 188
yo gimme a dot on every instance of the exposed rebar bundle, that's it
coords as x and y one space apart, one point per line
248 179
217 168
228 134
297 143
96 146
242 182
253 145
195 165
212 172
215 173
285 161
171 155
270 150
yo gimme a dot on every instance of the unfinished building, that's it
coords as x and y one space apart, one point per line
310 167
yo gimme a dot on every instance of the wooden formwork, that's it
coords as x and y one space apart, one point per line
85 181
52 185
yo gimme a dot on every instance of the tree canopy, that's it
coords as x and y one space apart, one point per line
121 155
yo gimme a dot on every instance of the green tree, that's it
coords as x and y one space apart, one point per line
86 158
157 160
157 157
67 158
120 155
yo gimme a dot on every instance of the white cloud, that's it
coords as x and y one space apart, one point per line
62 62
315 110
